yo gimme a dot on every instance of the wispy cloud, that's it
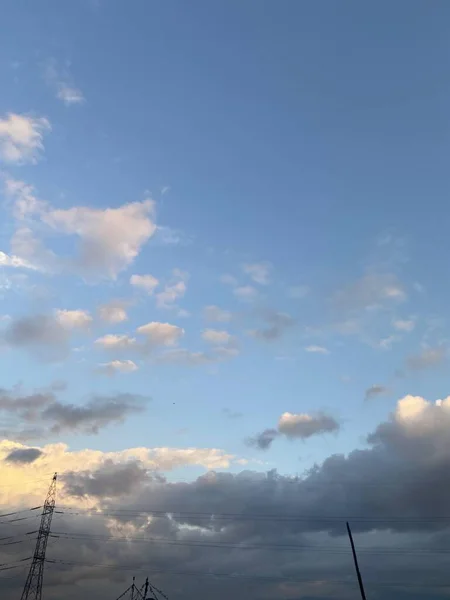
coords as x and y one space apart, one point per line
61 81
21 138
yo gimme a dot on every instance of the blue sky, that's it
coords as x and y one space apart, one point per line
298 149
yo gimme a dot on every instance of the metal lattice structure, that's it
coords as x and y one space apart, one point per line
33 585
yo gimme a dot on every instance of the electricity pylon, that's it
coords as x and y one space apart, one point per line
33 584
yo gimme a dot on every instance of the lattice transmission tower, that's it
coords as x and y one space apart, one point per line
33 584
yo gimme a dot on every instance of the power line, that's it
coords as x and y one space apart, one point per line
247 517
252 577
337 549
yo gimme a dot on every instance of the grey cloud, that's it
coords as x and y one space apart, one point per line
304 426
23 455
97 413
371 291
429 357
41 414
393 492
277 324
295 426
263 440
41 334
109 481
375 390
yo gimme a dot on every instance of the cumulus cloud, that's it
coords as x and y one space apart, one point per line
217 315
217 337
117 366
108 239
295 426
116 342
21 138
111 480
258 272
148 283
303 426
160 334
74 319
393 491
277 324
113 312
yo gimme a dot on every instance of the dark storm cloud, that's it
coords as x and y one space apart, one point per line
23 455
394 492
110 480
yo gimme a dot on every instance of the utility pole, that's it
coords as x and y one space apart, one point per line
355 560
33 584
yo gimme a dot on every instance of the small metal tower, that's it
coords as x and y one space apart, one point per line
33 584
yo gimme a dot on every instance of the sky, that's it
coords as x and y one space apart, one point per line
223 247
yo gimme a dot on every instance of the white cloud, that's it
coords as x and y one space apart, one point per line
74 319
216 314
70 95
161 334
116 342
406 325
15 262
61 81
246 293
148 283
27 483
171 293
113 312
21 138
216 337
110 239
317 349
117 366
26 202
258 272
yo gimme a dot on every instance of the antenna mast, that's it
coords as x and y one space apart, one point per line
33 584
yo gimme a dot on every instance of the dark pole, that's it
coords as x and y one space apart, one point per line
355 560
